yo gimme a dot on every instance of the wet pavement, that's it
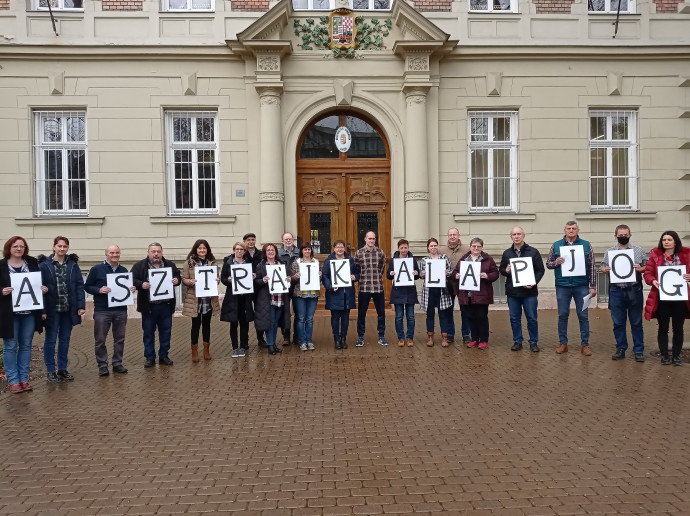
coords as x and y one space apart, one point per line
369 430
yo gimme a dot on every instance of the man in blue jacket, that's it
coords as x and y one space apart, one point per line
104 316
572 287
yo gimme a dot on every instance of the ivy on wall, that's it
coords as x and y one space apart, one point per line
369 35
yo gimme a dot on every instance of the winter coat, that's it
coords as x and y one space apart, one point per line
190 306
485 294
344 298
229 312
75 288
6 312
527 251
403 295
140 275
656 259
262 302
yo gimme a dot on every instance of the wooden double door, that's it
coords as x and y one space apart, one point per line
343 203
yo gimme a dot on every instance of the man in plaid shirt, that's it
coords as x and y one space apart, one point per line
371 262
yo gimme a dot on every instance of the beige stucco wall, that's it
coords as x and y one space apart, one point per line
126 69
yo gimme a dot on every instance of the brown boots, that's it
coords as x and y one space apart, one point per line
195 353
207 351
444 340
430 342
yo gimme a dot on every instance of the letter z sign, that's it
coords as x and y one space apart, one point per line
161 284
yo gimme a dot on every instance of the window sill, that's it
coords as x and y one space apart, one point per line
473 217
54 221
611 13
203 219
593 215
500 13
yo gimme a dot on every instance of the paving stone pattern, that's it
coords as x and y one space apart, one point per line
362 431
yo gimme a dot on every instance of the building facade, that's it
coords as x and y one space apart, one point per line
129 121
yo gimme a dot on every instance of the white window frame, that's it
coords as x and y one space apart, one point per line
189 8
331 6
490 8
609 144
193 145
64 146
59 5
611 7
512 145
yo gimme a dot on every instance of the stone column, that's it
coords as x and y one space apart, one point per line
271 189
416 166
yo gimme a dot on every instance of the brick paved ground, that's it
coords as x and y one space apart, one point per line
364 431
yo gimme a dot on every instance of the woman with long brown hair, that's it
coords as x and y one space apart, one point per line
200 309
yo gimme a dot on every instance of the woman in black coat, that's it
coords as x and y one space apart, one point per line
339 300
17 328
269 312
404 298
64 305
237 309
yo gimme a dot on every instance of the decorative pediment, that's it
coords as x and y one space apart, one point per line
414 26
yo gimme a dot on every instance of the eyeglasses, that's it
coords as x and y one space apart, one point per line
18 247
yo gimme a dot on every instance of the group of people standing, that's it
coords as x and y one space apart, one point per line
64 300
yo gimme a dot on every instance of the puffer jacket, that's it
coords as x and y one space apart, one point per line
656 259
75 287
190 306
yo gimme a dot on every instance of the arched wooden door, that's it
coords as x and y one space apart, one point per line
343 195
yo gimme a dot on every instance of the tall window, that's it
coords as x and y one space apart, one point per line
192 162
613 160
611 6
61 177
505 6
492 161
61 5
188 5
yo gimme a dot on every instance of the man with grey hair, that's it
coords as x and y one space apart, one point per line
572 287
104 316
155 314
455 250
287 254
524 297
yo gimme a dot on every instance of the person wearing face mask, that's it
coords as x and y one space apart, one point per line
625 299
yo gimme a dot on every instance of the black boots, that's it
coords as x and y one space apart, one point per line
336 341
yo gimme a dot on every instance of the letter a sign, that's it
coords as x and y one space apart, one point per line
403 272
26 291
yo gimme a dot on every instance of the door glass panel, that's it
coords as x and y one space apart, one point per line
367 221
366 141
320 140
320 232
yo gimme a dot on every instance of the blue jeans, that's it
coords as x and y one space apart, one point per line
627 303
304 324
60 330
362 306
160 317
515 307
16 352
563 297
400 311
276 316
340 322
465 325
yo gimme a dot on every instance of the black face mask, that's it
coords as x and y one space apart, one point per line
623 240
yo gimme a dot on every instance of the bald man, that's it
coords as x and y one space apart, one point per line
103 316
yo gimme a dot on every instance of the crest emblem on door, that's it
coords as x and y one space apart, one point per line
342 29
